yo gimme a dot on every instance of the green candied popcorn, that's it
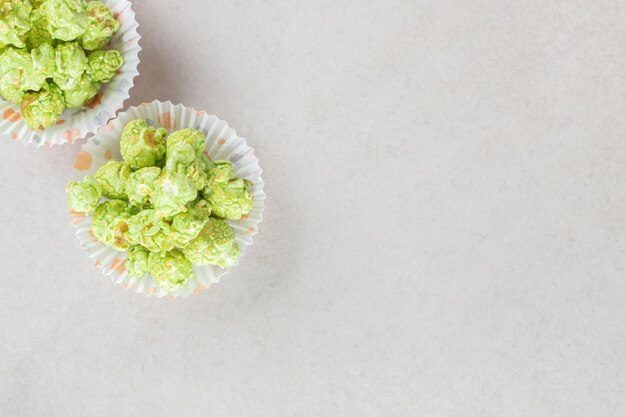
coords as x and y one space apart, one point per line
14 63
100 27
83 196
170 270
21 71
44 66
206 163
38 34
14 22
196 174
189 224
67 19
141 144
71 63
41 109
81 91
183 161
214 245
110 223
103 65
112 178
173 191
191 137
179 156
227 193
141 185
151 232
137 264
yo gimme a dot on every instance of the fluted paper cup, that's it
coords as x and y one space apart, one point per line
222 143
83 122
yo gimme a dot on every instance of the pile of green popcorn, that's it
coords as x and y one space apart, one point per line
51 56
167 204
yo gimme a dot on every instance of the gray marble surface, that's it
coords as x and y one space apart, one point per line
445 230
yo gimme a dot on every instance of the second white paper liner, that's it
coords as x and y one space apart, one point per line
75 124
222 143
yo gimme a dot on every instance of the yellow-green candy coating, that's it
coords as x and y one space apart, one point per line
100 27
227 193
83 197
214 245
184 153
44 63
103 65
173 191
207 164
192 137
170 270
151 232
141 185
67 19
21 71
14 65
189 224
41 109
110 224
142 145
112 177
137 261
14 22
81 91
71 63
38 34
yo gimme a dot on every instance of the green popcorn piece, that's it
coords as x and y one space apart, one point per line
83 197
173 191
179 157
41 109
192 137
170 270
141 144
110 224
44 63
103 65
80 92
183 161
141 185
100 27
206 164
38 34
137 261
67 19
71 63
214 245
14 63
196 174
184 156
21 71
14 22
112 178
151 232
189 224
227 193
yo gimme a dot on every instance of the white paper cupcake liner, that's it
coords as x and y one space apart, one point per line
82 123
222 143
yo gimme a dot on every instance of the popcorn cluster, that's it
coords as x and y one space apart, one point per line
51 57
167 204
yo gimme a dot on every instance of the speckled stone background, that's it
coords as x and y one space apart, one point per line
445 230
